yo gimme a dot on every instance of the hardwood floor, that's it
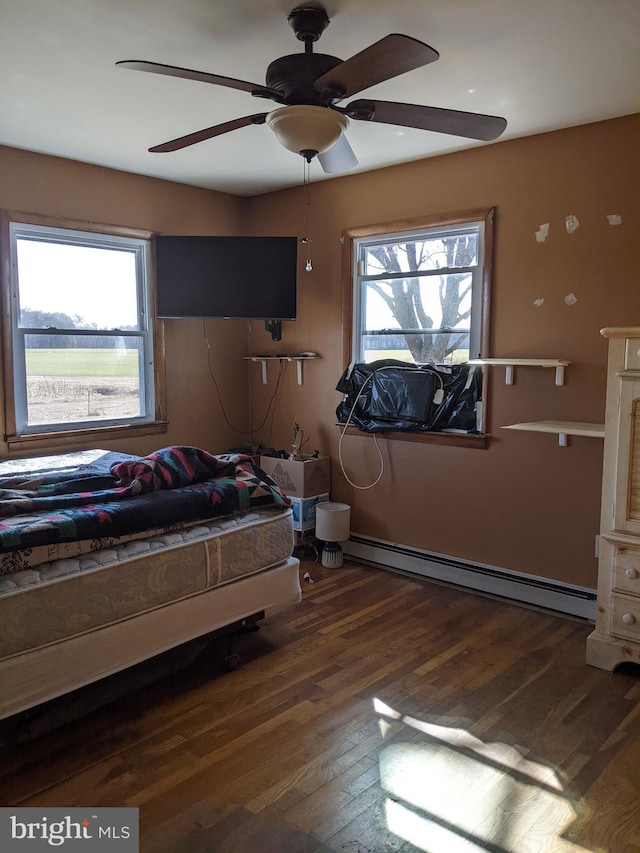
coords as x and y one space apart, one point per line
383 713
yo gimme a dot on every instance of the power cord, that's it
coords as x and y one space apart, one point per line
273 398
438 399
273 401
375 439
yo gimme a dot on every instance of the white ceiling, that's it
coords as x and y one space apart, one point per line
542 64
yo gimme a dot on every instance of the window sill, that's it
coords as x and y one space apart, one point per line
479 441
71 438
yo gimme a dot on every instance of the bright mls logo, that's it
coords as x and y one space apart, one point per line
34 829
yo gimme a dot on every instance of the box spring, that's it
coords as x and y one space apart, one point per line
67 623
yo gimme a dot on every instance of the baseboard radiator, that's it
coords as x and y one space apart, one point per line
515 586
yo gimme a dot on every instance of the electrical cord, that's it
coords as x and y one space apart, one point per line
375 439
439 393
274 397
252 429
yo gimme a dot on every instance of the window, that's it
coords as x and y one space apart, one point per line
419 293
79 331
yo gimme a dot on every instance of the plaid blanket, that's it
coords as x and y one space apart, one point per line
172 485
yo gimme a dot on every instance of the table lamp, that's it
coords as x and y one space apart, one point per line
333 521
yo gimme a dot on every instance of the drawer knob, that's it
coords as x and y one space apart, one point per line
631 573
628 618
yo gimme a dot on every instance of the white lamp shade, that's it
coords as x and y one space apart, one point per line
307 128
333 521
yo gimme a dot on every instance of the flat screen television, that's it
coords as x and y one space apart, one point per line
250 278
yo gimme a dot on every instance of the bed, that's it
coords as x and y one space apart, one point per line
108 559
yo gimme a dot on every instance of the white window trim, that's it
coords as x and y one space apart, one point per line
477 274
152 377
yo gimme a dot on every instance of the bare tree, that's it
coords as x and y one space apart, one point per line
403 296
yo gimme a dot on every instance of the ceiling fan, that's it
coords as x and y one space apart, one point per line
309 86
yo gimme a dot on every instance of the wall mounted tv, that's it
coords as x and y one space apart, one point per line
250 278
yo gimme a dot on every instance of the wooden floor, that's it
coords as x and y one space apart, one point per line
381 714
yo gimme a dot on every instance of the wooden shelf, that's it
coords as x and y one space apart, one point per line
509 364
263 359
561 428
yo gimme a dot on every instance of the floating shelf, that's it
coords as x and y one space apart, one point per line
561 428
510 363
263 359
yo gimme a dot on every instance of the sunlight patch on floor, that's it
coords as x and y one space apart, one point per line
448 790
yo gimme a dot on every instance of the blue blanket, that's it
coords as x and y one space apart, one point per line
170 486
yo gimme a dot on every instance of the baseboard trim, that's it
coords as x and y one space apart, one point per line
515 586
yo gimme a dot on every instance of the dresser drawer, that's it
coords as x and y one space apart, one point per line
626 569
625 617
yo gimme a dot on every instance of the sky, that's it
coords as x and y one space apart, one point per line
97 284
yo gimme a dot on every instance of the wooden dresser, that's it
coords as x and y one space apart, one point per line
617 633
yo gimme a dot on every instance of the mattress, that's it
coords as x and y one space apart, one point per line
47 512
66 598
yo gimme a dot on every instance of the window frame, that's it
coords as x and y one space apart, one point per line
350 301
13 225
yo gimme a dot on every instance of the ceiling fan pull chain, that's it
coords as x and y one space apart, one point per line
306 175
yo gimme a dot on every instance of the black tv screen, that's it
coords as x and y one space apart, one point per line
251 278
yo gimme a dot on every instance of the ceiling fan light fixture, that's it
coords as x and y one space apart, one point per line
305 128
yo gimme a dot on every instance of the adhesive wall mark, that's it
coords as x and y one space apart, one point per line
570 299
572 222
614 219
542 232
538 303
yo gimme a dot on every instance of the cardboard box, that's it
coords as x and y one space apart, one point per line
299 479
304 511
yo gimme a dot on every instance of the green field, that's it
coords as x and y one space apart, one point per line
82 362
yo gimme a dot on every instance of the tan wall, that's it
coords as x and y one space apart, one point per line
525 503
64 188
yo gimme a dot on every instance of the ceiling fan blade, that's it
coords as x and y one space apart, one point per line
202 76
207 133
454 122
393 55
339 158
